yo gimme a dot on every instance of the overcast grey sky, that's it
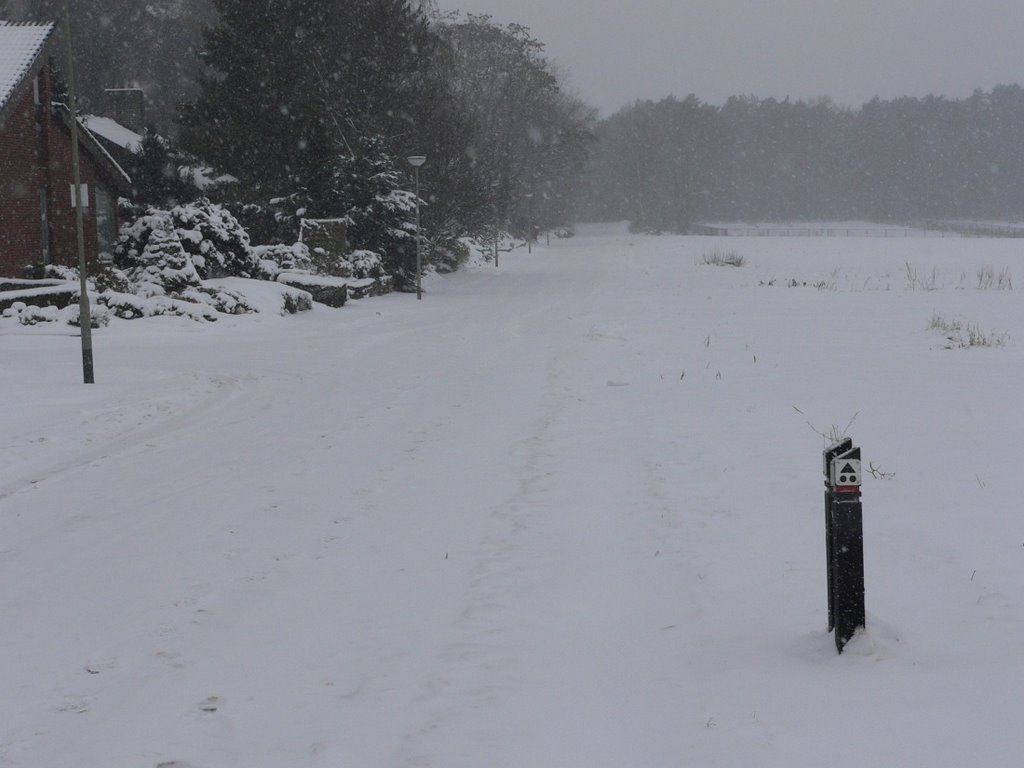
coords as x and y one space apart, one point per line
851 50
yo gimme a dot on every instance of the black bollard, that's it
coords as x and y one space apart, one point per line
830 453
844 541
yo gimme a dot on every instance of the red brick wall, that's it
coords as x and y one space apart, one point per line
63 235
21 178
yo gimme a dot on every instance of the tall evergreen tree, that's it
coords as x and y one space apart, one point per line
156 178
261 114
296 82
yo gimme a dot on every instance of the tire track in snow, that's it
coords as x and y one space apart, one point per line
475 665
550 621
220 389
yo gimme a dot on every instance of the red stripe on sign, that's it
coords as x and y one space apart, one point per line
848 489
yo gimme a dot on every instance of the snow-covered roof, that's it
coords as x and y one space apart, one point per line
20 47
204 176
91 144
114 132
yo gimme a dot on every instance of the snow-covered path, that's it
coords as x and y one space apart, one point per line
566 514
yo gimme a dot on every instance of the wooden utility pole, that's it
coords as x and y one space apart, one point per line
84 315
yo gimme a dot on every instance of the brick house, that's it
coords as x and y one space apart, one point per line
37 213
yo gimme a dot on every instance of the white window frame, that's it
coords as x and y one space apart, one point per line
74 197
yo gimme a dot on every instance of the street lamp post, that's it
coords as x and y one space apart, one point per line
529 221
416 161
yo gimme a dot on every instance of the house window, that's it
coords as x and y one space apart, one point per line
85 195
44 216
106 234
35 91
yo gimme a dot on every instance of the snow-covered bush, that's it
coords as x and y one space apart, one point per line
217 242
276 221
130 306
99 315
163 267
107 277
449 257
275 258
59 272
358 265
157 265
134 236
31 314
369 192
366 264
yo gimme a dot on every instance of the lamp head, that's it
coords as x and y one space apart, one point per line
417 160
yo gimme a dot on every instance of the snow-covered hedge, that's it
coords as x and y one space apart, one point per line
11 284
33 314
56 296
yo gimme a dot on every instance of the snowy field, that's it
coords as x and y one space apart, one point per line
565 514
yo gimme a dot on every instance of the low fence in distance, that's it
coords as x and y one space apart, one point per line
977 228
917 229
702 229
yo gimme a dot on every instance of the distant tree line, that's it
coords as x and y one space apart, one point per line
665 164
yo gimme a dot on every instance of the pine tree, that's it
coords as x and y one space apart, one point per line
368 190
154 172
296 82
260 115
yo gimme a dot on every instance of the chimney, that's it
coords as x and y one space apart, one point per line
127 106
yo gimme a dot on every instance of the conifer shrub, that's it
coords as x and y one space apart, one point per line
281 258
214 238
156 265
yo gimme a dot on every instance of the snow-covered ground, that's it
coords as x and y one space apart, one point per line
566 513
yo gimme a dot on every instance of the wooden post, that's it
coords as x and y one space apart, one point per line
84 315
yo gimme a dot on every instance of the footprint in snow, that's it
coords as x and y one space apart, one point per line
613 383
73 705
211 704
103 665
172 659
